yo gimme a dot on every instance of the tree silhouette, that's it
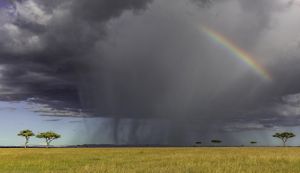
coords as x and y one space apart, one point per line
27 134
284 136
253 142
216 141
48 136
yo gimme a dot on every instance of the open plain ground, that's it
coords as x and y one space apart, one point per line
151 160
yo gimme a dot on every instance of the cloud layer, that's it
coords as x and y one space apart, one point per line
147 65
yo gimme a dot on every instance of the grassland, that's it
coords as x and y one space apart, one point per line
151 160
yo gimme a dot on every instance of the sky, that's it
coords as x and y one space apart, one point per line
150 71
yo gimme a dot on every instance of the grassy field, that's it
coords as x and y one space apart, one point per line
154 160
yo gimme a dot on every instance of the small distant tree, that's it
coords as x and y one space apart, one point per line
48 136
284 136
253 142
216 141
26 134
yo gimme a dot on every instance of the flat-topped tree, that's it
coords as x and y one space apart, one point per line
48 136
26 134
216 141
284 136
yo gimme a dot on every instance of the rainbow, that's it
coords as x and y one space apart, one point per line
238 52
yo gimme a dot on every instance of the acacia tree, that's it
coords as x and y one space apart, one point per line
48 136
216 141
198 143
253 142
284 136
27 134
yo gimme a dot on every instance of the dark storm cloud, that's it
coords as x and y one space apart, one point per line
119 59
276 105
43 48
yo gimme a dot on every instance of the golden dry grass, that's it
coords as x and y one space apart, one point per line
151 160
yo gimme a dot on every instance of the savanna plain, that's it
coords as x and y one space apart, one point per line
151 160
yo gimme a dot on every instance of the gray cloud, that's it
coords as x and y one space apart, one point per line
43 46
148 67
76 121
53 120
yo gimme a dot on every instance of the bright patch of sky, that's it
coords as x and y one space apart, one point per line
16 116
